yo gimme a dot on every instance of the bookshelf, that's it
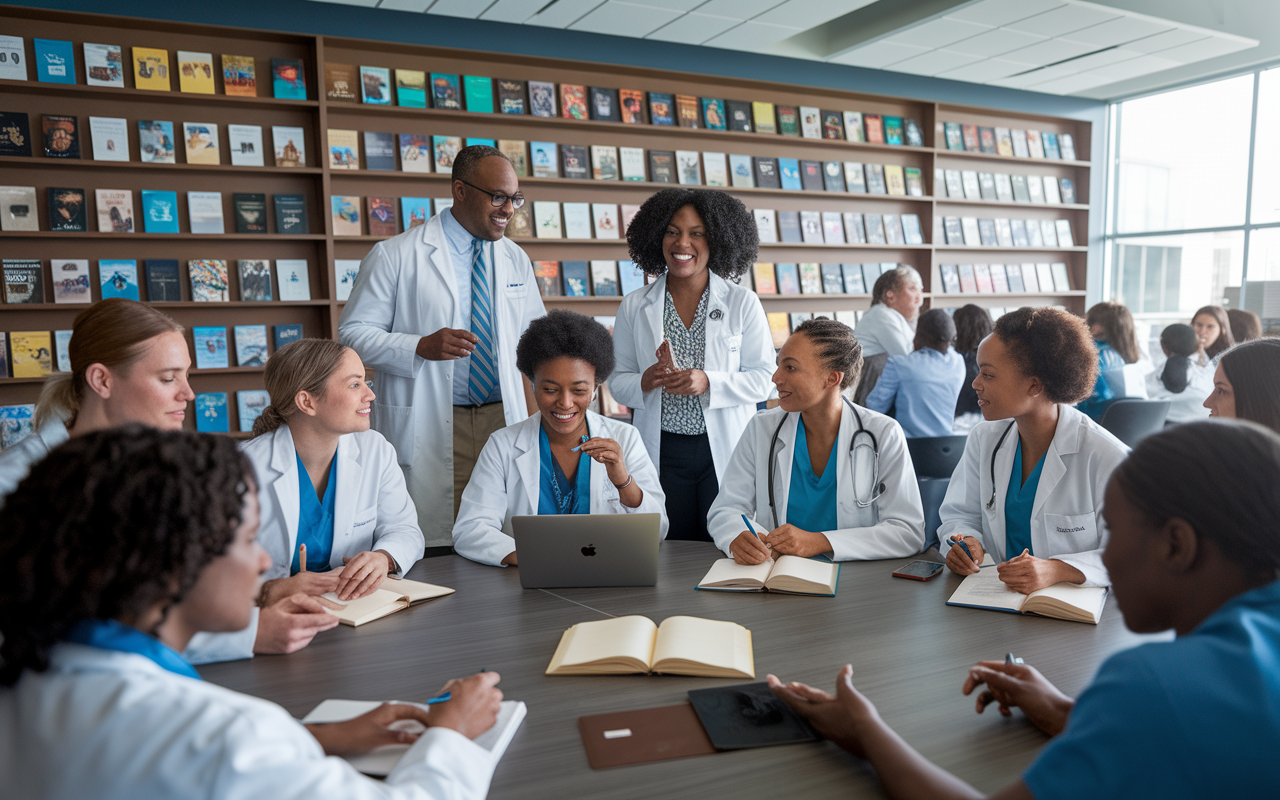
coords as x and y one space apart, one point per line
317 181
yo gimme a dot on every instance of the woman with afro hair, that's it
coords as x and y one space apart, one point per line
563 460
694 349
1030 484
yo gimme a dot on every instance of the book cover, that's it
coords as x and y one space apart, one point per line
511 96
251 345
110 137
239 76
764 117
873 125
999 279
70 280
987 140
1061 280
713 166
345 211
291 213
854 230
1004 232
118 277
478 91
968 279
604 278
546 219
811 178
195 72
375 85
1063 228
789 227
201 141
1067 146
662 166
629 211
950 278
631 163
766 225
915 181
209 283
874 225
1035 189
382 216
23 280
289 145
573 101
62 348
250 403
763 279
1020 233
832 125
285 334
16 421
912 134
987 233
159 211
894 179
1021 190
545 157
115 210
516 150
604 163
853 283
155 141
1068 191
604 104
340 82
969 231
741 173
788 278
251 212
245 145
204 212
1035 144
662 108
689 166
631 107
788 121
294 280
573 161
15 134
66 209
577 220
575 278
1004 142
32 353
630 277
911 232
416 153
972 187
103 65
969 135
982 277
832 279
1044 276
833 176
1051 190
789 173
854 178
953 231
1048 233
411 88
445 149
547 274
605 220
738 115
344 149
876 181
542 98
163 285
779 328
955 140
288 79
832 228
55 61
1050 144
379 151
416 211
13 67
713 113
211 410
1014 274
810 122
687 111
1019 138
151 69
61 136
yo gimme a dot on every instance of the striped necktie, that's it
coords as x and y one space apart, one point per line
484 372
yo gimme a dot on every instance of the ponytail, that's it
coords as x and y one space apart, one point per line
268 421
1176 373
1181 342
301 366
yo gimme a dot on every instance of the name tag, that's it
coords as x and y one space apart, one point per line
516 291
733 343
369 521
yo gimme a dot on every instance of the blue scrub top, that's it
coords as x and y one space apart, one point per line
315 522
1192 718
555 494
109 634
811 501
1018 503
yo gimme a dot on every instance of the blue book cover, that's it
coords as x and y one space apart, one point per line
576 281
250 404
630 276
375 85
159 211
790 169
211 347
155 141
284 334
211 413
288 79
251 345
414 211
55 61
119 277
490 142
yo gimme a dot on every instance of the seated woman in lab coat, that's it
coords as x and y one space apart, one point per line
819 475
1030 483
1181 380
1247 383
336 516
536 466
95 699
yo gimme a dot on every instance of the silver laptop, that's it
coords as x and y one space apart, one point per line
565 550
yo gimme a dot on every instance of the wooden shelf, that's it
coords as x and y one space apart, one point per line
557 298
132 95
253 237
15 381
89 163
1057 162
78 307
1009 204
803 296
997 249
988 295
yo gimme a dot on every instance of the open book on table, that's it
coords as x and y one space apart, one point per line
392 596
984 589
787 574
381 760
679 646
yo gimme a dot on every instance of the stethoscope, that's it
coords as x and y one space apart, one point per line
863 443
992 502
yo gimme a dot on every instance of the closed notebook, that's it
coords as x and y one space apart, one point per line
392 597
381 760
644 735
984 589
788 575
634 644
748 715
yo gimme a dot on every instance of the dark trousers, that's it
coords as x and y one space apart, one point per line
688 477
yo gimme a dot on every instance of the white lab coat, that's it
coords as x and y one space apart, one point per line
116 726
1187 405
507 479
891 527
739 363
1066 517
884 330
371 511
406 290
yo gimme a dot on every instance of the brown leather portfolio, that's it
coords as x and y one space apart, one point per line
649 734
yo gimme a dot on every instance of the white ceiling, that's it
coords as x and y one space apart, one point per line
1067 47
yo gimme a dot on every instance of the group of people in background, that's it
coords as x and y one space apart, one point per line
185 548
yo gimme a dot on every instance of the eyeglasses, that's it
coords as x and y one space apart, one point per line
497 199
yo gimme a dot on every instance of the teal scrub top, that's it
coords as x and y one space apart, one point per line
556 495
315 522
1018 503
108 634
811 501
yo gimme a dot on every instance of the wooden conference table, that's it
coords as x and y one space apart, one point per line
908 649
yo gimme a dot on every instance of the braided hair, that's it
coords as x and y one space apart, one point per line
107 526
838 348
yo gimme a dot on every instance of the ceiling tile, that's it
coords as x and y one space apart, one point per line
1061 21
624 19
1205 48
511 10
1002 12
1071 83
939 32
1015 81
693 28
564 13
995 42
1045 74
469 9
1047 52
1166 40
1118 31
1099 60
806 14
669 5
737 9
368 3
878 54
1142 65
751 36
933 62
983 71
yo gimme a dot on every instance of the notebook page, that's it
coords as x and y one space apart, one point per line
805 569
369 604
415 590
705 641
984 588
627 637
726 570
1085 598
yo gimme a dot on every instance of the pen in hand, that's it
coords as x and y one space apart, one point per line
585 439
302 558
959 540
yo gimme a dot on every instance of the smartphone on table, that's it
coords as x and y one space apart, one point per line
919 570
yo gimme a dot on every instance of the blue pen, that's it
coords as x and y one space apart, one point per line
440 698
579 447
747 522
960 541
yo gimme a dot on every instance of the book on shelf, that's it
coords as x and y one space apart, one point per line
779 328
110 138
873 127
288 79
417 210
211 412
209 283
811 174
763 117
1068 191
853 130
687 114
291 213
1050 185
23 280
18 210
62 350
789 227
855 179
573 101
200 140
382 216
832 279
854 230
547 275
999 279
285 334
1049 142
103 65
604 278
895 180
251 345
630 277
893 130
379 151
954 184
631 107
1004 187
1035 144
411 88
788 121
604 104
968 278
1021 192
289 145
832 228
115 210
573 161
15 134
375 86
344 210
605 220
715 169
1004 142
542 98
971 185
344 149
16 421
250 403
204 212
987 186
662 166
1025 235
604 163
984 589
1035 189
511 96
546 219
1044 277
634 644
340 82
163 284
788 278
970 136
852 276
950 278
810 122
875 177
741 174
953 136
689 167
1061 280
55 61
1013 273
345 272
799 317
987 232
631 163
911 232
239 76
766 224
893 229
159 211
211 347
810 278
195 72
874 225
1067 146
416 154
32 353
514 149
255 282
1018 138
446 91
151 69
810 227
577 220
987 140
478 93
576 278
766 170
763 279
70 277
982 278
912 134
1063 229
914 181
789 173
970 232
738 116
244 142
832 125
294 279
61 136
953 231
545 159
520 225
786 574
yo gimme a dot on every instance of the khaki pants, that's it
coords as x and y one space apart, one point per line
472 426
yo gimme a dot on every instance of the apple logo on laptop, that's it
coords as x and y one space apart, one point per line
589 550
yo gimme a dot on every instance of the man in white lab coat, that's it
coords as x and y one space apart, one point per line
888 327
437 312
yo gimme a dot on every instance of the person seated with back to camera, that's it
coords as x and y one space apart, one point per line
823 475
923 385
1182 379
536 467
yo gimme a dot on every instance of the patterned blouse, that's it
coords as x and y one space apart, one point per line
682 413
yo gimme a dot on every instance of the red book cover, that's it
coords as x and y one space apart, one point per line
573 101
875 128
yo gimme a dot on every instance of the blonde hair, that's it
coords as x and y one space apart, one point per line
301 366
113 333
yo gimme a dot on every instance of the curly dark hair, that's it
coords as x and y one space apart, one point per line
107 526
838 348
565 333
936 329
1053 345
733 243
973 324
